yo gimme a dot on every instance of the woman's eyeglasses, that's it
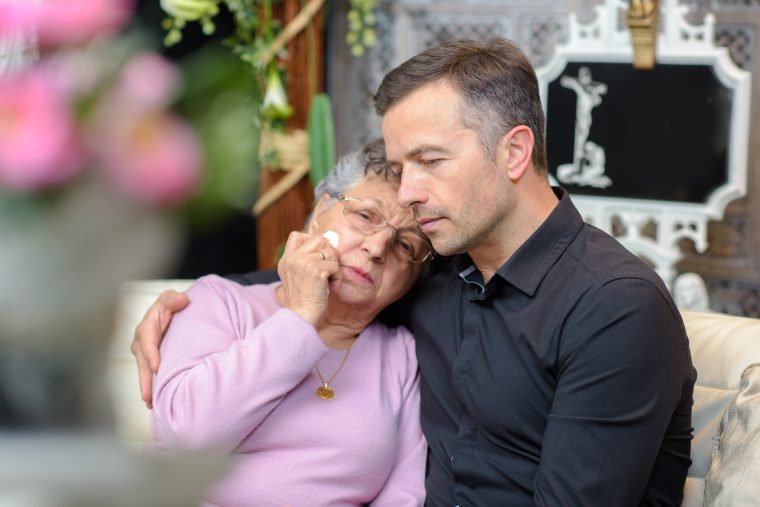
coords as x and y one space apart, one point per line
407 244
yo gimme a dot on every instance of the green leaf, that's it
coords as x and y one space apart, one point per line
321 138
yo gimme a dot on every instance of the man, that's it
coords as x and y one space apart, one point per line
555 367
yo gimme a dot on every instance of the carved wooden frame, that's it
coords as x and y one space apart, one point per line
606 39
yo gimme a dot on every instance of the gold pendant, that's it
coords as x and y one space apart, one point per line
324 392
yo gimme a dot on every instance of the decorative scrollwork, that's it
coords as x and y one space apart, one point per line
734 297
740 42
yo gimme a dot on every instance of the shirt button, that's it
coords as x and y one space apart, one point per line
451 458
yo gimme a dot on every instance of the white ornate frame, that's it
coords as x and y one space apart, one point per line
607 39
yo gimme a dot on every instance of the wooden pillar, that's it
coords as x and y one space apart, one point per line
291 210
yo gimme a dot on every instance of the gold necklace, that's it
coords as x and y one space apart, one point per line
324 391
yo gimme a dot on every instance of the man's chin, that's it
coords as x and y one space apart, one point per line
446 249
446 245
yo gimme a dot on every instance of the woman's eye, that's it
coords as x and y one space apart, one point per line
430 163
364 215
406 247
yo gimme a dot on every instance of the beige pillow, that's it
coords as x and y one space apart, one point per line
734 475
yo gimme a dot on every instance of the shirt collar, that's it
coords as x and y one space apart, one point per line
532 261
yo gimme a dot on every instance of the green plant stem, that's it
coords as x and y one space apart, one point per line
266 25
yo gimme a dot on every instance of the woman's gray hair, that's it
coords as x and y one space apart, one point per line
352 168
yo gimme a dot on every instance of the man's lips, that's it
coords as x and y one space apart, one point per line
427 223
360 274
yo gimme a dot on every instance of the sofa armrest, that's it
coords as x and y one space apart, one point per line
132 416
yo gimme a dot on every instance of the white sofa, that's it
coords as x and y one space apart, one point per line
131 415
722 346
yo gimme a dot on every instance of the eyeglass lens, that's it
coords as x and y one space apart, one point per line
365 218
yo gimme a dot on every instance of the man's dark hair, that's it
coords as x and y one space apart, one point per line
373 158
497 83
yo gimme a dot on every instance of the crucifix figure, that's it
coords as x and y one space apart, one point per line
588 165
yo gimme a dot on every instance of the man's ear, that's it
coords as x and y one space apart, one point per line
319 210
516 151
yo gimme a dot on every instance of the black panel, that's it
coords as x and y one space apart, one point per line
665 132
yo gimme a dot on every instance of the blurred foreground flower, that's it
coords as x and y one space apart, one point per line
150 153
58 22
148 80
153 157
39 146
91 154
54 126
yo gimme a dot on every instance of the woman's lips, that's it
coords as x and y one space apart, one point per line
359 275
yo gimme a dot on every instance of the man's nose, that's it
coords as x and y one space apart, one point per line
411 190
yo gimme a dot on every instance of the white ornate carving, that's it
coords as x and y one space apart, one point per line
606 39
588 166
690 292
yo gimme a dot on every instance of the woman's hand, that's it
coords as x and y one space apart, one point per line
306 267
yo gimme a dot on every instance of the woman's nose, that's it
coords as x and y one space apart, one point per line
378 244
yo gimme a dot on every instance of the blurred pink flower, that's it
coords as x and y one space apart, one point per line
154 157
38 142
148 80
75 72
64 21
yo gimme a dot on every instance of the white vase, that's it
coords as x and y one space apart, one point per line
61 264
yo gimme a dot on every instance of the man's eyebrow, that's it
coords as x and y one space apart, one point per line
418 150
414 152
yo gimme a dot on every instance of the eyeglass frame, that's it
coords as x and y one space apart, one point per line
431 252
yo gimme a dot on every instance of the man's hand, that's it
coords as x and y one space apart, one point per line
148 335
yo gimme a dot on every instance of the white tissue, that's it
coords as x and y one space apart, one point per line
332 237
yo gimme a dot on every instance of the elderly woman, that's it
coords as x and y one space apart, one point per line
317 402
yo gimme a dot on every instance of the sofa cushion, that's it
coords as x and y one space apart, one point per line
734 475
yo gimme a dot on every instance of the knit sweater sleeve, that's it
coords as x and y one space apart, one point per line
222 372
405 486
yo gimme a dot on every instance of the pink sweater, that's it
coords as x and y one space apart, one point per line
237 373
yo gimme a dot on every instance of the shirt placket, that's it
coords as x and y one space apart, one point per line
463 461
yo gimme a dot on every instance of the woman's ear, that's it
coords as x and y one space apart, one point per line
319 210
516 151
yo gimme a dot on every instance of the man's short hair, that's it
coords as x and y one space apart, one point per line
495 79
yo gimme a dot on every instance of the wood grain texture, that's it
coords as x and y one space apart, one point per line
289 213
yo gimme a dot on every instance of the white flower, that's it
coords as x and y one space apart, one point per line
191 10
275 105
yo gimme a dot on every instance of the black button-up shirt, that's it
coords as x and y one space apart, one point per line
564 380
